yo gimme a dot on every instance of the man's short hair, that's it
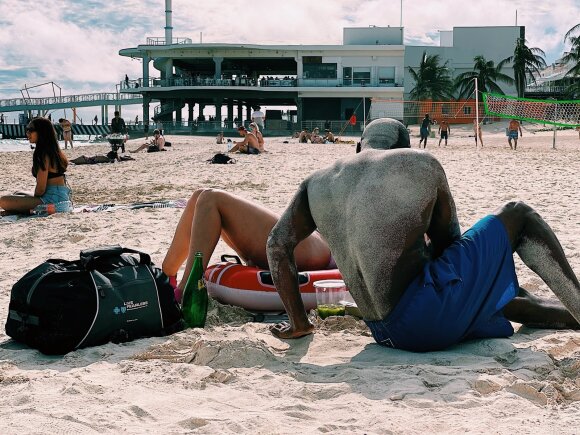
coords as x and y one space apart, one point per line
385 134
60 119
116 113
156 132
241 128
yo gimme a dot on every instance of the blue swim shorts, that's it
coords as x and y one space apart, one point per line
458 296
513 134
55 194
424 132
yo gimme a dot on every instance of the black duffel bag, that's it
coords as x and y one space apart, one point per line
107 295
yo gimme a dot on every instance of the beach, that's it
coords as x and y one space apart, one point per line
235 376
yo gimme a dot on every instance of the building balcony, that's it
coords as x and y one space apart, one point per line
131 86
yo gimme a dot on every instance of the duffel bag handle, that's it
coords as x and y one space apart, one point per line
88 256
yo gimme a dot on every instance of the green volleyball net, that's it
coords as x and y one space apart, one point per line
554 112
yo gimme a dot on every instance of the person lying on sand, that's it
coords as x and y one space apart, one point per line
419 283
249 145
156 144
243 225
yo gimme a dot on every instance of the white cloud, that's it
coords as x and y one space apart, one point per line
76 43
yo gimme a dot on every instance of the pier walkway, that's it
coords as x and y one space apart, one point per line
69 101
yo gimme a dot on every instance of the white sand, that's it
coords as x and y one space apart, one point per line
239 378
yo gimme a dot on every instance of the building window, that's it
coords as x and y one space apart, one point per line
319 70
446 109
347 75
386 76
361 76
467 110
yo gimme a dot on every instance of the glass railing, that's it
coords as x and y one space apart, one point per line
129 85
161 41
547 88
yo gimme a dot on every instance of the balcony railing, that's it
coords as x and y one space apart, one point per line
248 82
161 41
546 88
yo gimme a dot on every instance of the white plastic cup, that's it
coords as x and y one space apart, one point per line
329 295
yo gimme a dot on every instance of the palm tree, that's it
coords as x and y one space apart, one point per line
527 63
487 74
432 81
573 56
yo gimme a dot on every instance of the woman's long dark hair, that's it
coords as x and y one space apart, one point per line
46 146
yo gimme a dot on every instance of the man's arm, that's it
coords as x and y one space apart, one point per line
520 128
294 226
444 226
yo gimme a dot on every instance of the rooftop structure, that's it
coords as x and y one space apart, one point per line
323 82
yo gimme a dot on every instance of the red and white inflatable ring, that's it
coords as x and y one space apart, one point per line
252 288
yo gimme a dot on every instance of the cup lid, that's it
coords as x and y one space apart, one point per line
329 283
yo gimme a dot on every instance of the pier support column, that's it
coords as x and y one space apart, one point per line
230 114
218 67
299 112
240 113
201 116
146 61
218 111
146 116
179 115
190 106
249 113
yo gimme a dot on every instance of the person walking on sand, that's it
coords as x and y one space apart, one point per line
513 129
66 132
424 130
432 287
49 164
477 132
444 130
258 117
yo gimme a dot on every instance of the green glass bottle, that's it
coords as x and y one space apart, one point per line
195 299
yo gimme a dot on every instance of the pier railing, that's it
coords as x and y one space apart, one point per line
161 41
69 99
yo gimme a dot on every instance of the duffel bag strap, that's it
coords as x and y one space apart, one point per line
88 256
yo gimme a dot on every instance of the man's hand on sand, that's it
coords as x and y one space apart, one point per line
285 330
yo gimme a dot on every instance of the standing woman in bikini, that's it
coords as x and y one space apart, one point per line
48 167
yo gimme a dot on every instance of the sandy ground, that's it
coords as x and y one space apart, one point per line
236 377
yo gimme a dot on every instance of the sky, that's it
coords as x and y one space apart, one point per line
75 43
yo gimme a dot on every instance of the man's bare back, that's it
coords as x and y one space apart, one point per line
379 257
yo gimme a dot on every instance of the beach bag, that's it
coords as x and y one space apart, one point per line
110 294
221 159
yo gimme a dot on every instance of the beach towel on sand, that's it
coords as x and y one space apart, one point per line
90 208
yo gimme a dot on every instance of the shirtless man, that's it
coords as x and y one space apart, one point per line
477 132
66 132
249 145
444 130
513 129
419 284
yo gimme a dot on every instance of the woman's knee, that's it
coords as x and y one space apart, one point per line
516 210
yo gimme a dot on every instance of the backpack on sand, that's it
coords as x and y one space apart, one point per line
107 295
221 159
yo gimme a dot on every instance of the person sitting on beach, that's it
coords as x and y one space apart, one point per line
49 165
156 144
242 224
304 136
256 130
220 138
513 129
329 137
419 283
66 132
249 145
315 136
